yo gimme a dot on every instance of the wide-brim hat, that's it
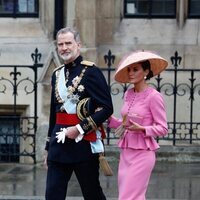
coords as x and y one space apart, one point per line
158 64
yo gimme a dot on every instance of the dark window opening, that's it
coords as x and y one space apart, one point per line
19 8
150 8
194 9
9 139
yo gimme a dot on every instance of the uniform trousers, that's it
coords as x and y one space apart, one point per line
87 174
134 173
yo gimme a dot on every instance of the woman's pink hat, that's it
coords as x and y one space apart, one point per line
158 64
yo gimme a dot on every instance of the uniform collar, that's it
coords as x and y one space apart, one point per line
74 63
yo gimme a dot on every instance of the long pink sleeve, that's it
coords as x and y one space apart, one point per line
114 122
159 126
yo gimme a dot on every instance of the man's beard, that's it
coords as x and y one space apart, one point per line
68 56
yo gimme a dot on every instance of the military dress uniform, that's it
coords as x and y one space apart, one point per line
80 96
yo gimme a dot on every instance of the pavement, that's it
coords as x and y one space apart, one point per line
169 180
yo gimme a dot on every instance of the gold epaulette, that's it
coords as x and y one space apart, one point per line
58 68
87 63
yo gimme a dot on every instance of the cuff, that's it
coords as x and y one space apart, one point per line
81 131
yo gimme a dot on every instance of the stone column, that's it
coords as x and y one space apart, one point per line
182 7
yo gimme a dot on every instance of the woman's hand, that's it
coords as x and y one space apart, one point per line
133 126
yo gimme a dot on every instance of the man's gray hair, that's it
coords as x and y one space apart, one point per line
71 30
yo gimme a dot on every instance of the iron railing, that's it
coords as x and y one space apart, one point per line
181 90
18 131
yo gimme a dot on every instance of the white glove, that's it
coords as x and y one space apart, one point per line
61 135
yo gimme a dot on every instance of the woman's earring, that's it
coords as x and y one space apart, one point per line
145 77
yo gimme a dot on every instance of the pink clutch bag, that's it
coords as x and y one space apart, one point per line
134 118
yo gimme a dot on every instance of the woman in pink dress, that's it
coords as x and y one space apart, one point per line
143 119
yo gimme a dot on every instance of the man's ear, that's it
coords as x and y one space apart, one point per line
79 45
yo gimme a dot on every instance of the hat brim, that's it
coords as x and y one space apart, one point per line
158 64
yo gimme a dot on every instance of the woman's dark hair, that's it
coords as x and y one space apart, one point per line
146 65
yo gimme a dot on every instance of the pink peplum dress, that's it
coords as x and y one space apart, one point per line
137 148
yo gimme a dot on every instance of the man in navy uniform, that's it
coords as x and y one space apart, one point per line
80 103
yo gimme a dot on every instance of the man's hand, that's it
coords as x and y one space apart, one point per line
61 135
70 132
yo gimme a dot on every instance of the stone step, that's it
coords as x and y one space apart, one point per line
2 197
167 153
5 197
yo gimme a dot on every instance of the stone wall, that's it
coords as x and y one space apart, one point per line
102 27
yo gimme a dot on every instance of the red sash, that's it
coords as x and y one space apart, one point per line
72 120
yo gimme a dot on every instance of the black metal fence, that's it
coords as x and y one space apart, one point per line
181 90
18 130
